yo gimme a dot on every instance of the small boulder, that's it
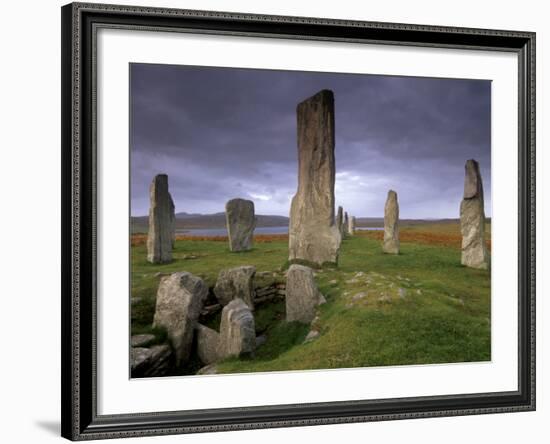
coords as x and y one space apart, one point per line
150 362
302 294
312 335
141 340
207 344
208 370
235 283
237 330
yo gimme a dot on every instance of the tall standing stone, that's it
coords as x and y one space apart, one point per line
237 330
346 223
340 221
313 235
180 299
302 294
472 219
351 225
241 221
391 224
160 238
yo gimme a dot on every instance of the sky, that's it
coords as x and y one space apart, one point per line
221 133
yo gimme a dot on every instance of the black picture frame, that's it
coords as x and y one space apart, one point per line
79 396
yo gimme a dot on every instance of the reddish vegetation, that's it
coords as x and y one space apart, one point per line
141 239
451 240
138 239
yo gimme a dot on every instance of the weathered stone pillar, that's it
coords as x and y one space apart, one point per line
340 221
237 330
346 223
240 221
313 235
351 226
472 219
160 238
391 224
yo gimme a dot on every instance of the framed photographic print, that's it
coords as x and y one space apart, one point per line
280 221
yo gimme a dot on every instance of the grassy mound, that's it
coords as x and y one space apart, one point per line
418 307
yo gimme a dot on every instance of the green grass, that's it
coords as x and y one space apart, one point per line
420 306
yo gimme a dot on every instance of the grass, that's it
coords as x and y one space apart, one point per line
418 307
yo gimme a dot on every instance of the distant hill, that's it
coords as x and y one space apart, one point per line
216 220
379 221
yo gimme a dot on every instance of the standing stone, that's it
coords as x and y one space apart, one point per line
472 220
240 220
235 283
346 223
160 238
208 341
302 294
180 298
313 234
351 225
340 221
391 224
237 330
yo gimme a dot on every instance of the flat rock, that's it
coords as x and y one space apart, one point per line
211 369
150 362
141 340
139 359
180 299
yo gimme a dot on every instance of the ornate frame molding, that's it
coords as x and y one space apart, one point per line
80 22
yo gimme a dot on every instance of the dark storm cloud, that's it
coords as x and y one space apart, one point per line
220 133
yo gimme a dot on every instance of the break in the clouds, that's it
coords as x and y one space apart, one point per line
221 133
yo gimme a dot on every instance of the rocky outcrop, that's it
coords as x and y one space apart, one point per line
161 234
237 282
142 340
472 220
313 234
302 294
180 299
151 362
237 330
391 224
241 221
